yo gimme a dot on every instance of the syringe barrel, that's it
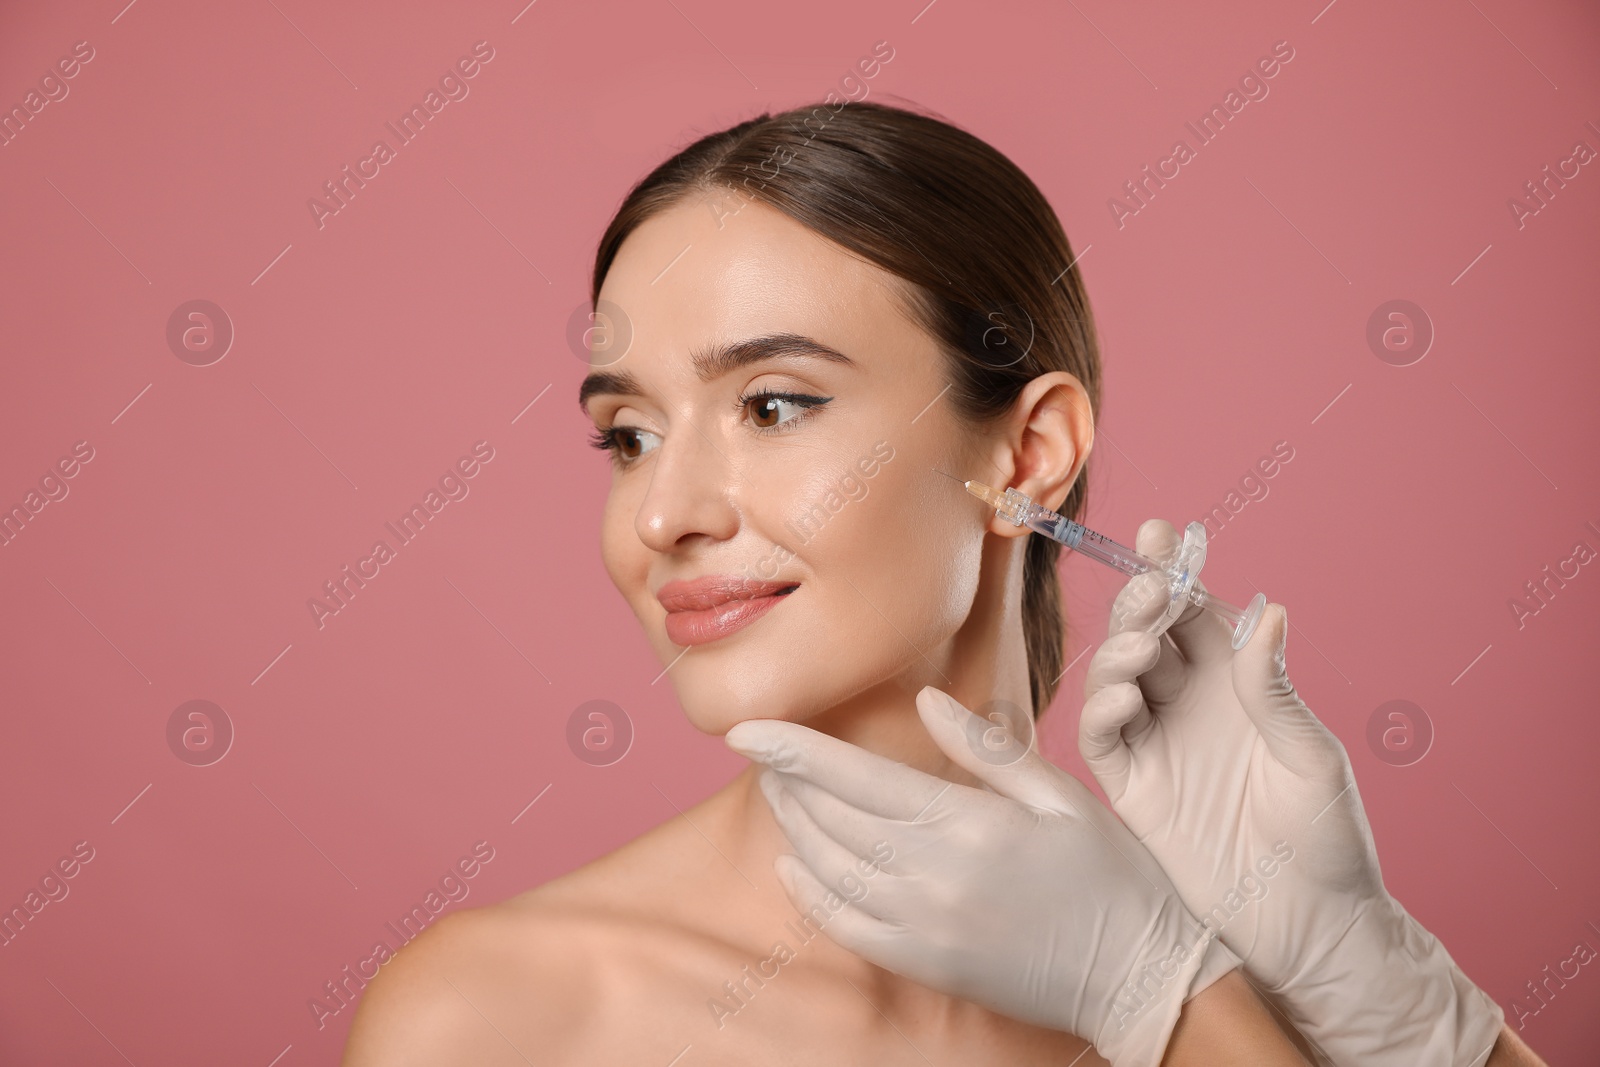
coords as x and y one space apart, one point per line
1085 541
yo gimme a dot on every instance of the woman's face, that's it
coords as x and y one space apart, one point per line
775 517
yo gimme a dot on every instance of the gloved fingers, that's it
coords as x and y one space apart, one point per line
864 835
863 779
1142 657
1164 682
1145 603
1200 635
1294 737
846 923
1158 539
1091 829
1004 756
825 859
1122 657
1140 605
1101 739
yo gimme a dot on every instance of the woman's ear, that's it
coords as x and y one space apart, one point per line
1047 438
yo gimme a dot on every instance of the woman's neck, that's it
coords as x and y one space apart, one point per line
767 917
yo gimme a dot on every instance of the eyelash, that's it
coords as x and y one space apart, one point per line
607 440
808 403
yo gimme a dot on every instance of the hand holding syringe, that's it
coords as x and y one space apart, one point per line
1181 572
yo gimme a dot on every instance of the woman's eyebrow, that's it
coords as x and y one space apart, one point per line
715 360
613 383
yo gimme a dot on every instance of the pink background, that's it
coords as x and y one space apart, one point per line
370 354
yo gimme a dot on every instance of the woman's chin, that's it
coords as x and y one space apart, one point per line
784 676
713 700
714 707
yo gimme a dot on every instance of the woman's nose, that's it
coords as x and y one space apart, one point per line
690 495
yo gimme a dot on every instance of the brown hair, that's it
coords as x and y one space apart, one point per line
984 255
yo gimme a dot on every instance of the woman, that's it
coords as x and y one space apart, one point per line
828 308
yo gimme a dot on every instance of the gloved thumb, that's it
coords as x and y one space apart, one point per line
1293 735
1001 751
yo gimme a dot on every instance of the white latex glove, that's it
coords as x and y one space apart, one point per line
1250 805
1031 900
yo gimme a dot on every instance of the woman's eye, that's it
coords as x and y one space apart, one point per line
768 411
626 443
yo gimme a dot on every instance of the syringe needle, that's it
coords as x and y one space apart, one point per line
1182 571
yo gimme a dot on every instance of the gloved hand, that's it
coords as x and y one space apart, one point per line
1031 900
1250 805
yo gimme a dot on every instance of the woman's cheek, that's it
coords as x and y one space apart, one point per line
621 551
950 566
806 498
925 557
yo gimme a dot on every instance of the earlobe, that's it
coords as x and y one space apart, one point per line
1005 528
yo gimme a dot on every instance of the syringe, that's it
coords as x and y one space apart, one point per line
1182 571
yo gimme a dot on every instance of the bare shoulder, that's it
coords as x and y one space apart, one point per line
572 971
477 986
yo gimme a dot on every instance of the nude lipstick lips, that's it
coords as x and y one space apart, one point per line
710 608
